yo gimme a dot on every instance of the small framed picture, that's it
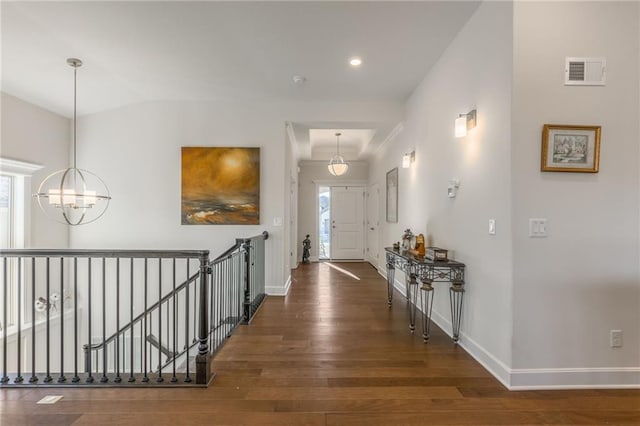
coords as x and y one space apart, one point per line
570 148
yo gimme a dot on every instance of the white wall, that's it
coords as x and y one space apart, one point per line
136 150
474 72
35 135
310 173
581 281
292 213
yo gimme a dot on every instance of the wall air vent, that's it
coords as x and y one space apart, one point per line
585 71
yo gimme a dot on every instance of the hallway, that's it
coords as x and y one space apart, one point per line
330 353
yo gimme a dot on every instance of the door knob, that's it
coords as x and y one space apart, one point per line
373 229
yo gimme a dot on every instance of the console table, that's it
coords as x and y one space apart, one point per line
427 272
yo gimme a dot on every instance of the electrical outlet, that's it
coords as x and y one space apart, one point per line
615 338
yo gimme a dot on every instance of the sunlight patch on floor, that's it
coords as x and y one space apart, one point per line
344 271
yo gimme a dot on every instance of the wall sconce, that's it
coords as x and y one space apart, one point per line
465 122
408 158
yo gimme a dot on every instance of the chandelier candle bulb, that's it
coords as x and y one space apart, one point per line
54 197
69 198
90 198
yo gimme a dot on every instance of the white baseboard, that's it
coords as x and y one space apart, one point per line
575 378
279 291
492 364
537 378
371 260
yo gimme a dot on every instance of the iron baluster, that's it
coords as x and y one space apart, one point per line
32 299
187 345
61 378
116 348
19 377
89 301
5 303
175 349
48 378
131 345
159 378
76 378
104 378
211 313
145 378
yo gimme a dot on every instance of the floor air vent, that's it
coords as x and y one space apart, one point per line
584 72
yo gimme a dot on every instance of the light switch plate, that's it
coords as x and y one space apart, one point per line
537 228
492 227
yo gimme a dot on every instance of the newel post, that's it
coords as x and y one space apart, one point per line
203 359
247 280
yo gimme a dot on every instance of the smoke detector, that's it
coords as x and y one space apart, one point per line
298 80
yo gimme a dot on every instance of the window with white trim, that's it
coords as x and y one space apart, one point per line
15 204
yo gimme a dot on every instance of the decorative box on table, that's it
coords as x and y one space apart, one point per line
436 254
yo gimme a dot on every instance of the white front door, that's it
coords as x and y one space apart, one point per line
347 222
373 212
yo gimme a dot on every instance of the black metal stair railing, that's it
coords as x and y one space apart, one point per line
138 348
123 318
255 291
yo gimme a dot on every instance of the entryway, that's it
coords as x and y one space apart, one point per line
341 222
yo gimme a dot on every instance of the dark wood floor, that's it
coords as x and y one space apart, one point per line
331 353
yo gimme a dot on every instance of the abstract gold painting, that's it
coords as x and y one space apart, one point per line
220 186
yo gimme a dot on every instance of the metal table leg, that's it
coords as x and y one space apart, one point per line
391 269
412 299
426 299
456 294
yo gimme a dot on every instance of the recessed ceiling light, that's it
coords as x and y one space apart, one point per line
355 62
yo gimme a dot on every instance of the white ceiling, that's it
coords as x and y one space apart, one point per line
317 141
145 51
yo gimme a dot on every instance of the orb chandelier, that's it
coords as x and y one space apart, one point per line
337 166
73 196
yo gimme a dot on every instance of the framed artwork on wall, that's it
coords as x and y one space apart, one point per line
220 186
568 148
392 195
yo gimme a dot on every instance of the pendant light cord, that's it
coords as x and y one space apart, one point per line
75 130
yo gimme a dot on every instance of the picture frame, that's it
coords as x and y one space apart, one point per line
570 148
220 185
392 195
